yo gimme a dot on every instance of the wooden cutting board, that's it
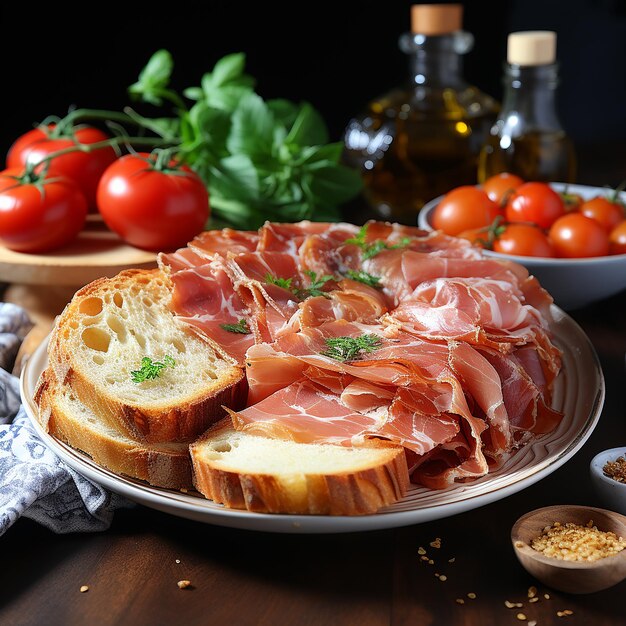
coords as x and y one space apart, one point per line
94 253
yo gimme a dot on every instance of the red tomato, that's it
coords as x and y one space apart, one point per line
571 201
617 239
84 168
151 208
537 203
575 235
601 209
523 240
464 208
477 236
499 186
39 217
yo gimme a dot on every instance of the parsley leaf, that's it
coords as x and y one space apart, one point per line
315 288
365 278
284 283
351 348
151 369
240 327
373 248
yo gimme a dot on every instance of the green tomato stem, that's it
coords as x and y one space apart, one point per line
65 125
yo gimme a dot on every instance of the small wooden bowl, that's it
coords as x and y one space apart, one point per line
569 576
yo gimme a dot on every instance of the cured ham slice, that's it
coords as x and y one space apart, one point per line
385 331
204 298
224 242
303 412
477 310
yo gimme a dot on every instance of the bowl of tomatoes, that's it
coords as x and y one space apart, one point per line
571 237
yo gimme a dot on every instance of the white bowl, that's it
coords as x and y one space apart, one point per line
611 492
572 283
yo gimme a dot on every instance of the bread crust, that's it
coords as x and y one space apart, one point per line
165 466
360 492
174 420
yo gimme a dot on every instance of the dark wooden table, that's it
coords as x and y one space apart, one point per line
370 578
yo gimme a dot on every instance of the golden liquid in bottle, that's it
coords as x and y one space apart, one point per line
424 152
534 156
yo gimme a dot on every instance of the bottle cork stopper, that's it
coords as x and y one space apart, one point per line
436 19
532 47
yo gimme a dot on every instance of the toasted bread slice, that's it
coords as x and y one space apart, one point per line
68 419
101 338
266 475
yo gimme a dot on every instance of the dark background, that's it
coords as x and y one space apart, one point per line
337 55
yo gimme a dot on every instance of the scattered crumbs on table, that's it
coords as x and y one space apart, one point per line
532 591
521 617
460 601
546 596
436 543
535 599
443 578
421 550
431 562
452 560
533 622
565 613
184 584
471 595
184 490
423 558
177 560
84 588
508 604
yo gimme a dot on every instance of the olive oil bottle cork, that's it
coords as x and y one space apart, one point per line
536 47
436 19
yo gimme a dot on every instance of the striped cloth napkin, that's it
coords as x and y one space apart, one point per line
34 482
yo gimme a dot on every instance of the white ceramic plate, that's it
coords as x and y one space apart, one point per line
579 393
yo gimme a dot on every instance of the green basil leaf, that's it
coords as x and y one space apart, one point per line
252 129
227 68
284 111
193 93
308 128
335 184
235 177
154 78
328 154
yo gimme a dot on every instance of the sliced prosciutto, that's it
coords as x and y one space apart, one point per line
347 333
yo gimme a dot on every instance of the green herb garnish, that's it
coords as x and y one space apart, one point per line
315 288
284 283
151 369
260 159
351 348
365 278
240 327
373 248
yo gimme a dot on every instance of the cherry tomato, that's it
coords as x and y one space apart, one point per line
523 240
39 216
601 209
534 202
499 186
476 236
571 201
617 239
152 206
84 168
464 208
575 235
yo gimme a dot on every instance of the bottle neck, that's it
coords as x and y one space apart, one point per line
436 61
529 102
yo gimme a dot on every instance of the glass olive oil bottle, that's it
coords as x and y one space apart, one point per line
422 139
527 138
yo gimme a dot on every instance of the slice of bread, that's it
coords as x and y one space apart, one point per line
66 418
102 336
266 475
